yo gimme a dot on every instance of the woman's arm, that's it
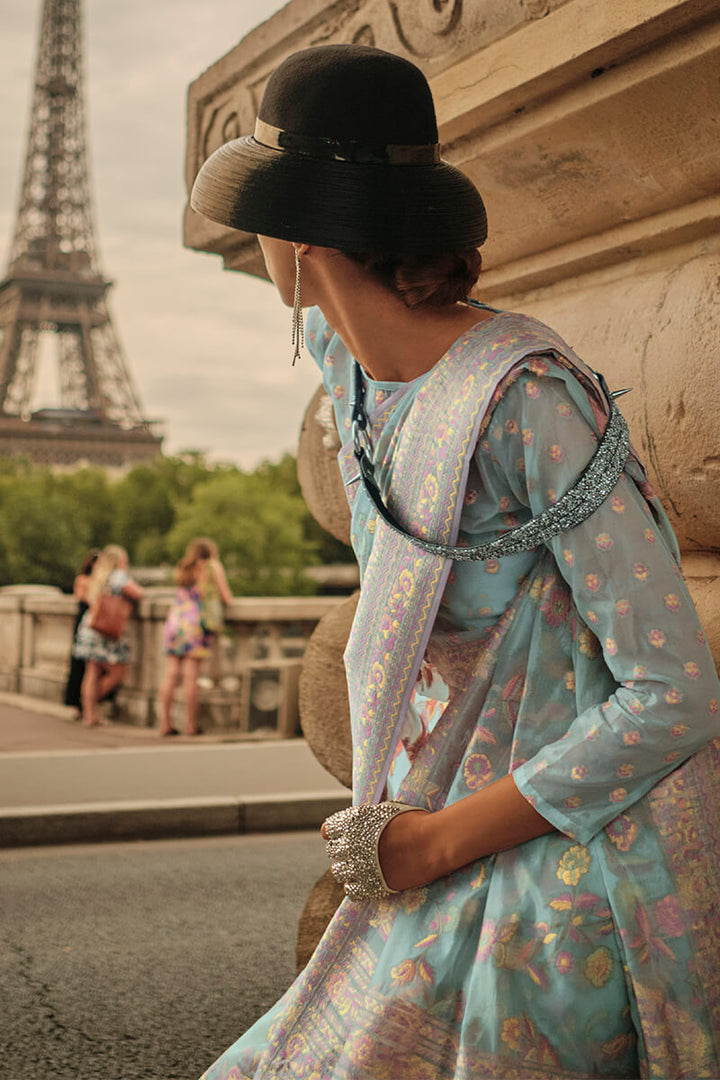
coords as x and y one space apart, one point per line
132 590
627 589
80 587
218 572
416 849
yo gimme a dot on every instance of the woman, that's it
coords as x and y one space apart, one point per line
105 657
532 890
77 666
190 628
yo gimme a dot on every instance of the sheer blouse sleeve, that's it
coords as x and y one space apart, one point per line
621 567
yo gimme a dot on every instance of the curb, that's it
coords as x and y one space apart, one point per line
36 705
166 818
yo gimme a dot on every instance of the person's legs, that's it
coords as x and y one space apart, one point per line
190 672
89 693
74 684
112 676
166 692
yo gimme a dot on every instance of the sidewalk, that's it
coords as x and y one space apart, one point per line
63 783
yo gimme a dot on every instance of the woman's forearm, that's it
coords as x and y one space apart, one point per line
416 849
491 820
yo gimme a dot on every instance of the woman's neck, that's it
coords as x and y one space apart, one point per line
391 342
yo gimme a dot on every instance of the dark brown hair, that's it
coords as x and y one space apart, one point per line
425 280
88 562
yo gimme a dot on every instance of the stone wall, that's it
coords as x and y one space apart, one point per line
591 130
249 685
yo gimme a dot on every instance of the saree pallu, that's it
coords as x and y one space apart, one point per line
558 958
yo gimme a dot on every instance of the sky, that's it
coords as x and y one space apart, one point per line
209 350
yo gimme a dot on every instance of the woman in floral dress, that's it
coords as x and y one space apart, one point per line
194 619
531 864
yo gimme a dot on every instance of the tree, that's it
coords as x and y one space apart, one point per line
144 513
41 539
259 529
259 520
92 497
283 474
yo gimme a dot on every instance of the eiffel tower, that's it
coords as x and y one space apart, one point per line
53 285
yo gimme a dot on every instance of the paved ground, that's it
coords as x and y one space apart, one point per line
144 961
28 724
62 782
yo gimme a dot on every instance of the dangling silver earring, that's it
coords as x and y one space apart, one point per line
298 328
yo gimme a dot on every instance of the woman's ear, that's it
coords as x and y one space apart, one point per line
302 249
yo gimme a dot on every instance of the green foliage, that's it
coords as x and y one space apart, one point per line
259 529
90 495
41 539
283 475
143 507
259 521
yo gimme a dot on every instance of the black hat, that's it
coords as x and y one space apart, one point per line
345 154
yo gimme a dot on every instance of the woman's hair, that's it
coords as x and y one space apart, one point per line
88 562
198 551
108 560
425 280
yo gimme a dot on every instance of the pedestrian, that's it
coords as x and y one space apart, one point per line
534 893
105 651
195 618
77 666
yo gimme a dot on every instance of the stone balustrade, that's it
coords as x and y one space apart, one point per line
249 685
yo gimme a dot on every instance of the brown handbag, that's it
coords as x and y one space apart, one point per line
110 615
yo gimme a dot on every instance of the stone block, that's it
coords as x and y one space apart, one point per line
323 698
318 471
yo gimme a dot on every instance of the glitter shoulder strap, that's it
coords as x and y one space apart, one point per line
585 496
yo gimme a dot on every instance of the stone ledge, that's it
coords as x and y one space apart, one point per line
577 39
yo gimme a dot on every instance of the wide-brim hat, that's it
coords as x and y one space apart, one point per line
345 154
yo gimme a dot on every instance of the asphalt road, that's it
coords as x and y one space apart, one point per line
144 961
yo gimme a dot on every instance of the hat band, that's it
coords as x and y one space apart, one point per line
359 153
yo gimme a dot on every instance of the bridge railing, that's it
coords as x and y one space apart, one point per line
249 685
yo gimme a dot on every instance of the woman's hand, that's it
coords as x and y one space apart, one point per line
352 840
414 847
419 848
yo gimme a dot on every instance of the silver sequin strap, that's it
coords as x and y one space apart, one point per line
592 488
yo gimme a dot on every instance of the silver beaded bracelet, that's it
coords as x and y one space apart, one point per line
352 839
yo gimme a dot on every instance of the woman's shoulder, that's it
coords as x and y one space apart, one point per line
498 345
530 360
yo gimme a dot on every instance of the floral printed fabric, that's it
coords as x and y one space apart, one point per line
184 633
595 950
